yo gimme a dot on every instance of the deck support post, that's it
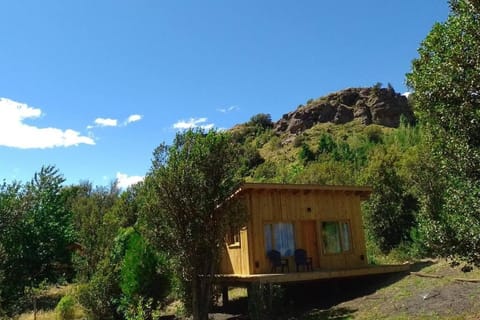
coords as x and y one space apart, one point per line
225 295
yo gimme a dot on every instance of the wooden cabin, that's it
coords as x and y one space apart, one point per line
325 221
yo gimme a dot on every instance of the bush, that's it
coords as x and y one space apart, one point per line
374 134
267 171
98 297
65 309
131 273
143 273
261 120
306 154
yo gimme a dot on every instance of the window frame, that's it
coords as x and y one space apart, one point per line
272 236
345 245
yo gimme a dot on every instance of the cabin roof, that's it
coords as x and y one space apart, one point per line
363 191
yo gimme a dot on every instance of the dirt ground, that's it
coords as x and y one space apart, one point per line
431 290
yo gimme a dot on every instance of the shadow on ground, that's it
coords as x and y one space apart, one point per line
317 300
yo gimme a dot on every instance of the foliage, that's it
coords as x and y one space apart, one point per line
306 154
390 214
130 272
261 120
142 310
188 213
446 80
65 309
90 207
125 210
259 125
326 144
97 296
36 229
250 159
138 266
266 171
143 272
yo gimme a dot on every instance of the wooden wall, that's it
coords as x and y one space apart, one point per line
235 257
303 208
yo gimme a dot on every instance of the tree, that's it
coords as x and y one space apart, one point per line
48 222
446 82
90 206
35 230
390 214
189 208
262 121
10 214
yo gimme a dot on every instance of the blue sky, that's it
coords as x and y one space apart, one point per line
94 86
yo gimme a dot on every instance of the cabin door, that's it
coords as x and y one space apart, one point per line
309 241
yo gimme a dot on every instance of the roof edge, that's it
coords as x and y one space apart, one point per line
364 191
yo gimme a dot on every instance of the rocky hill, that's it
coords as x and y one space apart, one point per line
382 106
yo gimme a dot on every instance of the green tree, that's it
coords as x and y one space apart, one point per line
35 230
189 213
390 214
446 82
262 121
139 278
94 235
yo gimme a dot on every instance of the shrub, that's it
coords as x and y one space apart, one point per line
266 171
326 144
298 141
374 134
139 276
99 295
261 120
65 309
306 154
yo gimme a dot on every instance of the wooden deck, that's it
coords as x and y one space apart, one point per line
311 275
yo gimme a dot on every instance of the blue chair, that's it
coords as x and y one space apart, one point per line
301 259
277 261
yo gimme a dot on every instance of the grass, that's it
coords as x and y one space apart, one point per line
47 301
417 297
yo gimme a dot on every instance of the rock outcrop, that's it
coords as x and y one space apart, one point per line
382 106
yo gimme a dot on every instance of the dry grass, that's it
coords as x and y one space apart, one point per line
47 302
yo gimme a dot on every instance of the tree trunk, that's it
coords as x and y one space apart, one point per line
202 291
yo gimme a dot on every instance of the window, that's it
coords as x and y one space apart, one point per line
233 237
279 236
336 236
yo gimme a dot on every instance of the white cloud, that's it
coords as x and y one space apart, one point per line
109 122
124 180
193 123
406 94
106 122
133 118
16 134
228 109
